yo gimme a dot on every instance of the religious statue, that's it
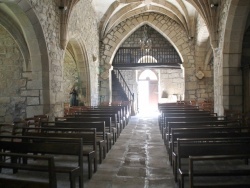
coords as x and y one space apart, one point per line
73 97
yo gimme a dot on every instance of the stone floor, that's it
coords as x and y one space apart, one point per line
137 160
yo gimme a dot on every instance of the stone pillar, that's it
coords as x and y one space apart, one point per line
218 82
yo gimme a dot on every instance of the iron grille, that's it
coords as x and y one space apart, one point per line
133 55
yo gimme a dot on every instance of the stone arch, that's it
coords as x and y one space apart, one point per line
232 52
176 36
162 24
36 91
79 56
12 27
122 15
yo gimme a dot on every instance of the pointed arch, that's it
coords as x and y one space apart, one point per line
37 65
181 44
82 81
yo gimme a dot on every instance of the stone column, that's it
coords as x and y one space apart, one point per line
218 82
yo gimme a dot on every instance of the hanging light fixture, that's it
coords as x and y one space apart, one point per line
145 42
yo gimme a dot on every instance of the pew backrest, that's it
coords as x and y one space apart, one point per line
48 166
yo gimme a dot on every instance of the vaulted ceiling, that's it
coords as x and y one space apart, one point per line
112 12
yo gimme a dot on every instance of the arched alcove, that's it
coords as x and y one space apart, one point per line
76 73
32 95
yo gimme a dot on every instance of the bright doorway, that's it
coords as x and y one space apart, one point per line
147 92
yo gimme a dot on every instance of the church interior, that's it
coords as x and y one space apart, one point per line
117 78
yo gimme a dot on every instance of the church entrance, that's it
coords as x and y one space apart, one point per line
147 92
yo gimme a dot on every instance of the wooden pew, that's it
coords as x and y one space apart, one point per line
214 166
108 123
125 112
163 115
88 137
166 105
193 124
103 138
52 146
163 123
104 112
205 132
13 181
188 118
203 147
115 121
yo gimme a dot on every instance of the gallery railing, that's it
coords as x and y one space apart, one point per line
132 55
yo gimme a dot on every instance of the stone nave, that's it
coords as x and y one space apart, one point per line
143 52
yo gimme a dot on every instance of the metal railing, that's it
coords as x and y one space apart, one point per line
124 85
132 55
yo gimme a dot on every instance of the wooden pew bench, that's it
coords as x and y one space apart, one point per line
104 112
203 147
114 120
103 138
165 115
193 124
119 112
189 119
88 137
163 112
10 180
51 146
205 132
229 166
108 123
125 113
176 105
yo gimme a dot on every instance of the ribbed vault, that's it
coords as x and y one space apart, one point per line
181 11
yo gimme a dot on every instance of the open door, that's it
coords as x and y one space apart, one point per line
148 91
153 94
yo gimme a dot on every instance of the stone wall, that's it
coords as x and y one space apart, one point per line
157 39
14 96
82 20
171 85
204 86
170 82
